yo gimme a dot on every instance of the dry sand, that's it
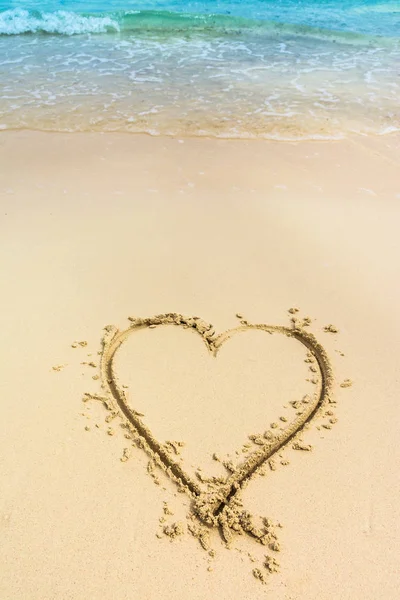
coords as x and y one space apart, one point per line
99 228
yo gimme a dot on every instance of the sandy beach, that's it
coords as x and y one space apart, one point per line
97 228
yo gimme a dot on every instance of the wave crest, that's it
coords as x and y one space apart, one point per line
19 20
161 22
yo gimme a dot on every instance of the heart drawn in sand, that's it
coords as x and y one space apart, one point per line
215 506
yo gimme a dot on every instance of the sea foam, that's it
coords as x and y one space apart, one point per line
19 20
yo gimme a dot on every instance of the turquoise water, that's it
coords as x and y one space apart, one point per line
289 69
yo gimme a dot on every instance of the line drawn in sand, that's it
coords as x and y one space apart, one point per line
216 504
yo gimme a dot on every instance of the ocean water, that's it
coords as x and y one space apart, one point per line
280 69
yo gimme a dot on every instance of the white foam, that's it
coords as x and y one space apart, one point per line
19 20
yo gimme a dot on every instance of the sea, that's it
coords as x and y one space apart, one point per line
269 69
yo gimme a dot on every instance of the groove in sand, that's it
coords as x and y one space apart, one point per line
212 508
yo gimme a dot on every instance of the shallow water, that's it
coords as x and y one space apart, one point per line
261 68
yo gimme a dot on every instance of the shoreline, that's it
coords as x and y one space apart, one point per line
346 136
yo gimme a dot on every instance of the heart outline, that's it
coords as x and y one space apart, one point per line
210 507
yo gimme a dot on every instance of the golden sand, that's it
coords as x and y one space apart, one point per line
94 228
218 503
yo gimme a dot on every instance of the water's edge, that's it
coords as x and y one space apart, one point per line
196 74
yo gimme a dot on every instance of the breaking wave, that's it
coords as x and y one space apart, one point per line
21 21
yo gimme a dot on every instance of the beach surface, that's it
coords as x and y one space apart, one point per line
96 228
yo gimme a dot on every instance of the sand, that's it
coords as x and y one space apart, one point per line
100 503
